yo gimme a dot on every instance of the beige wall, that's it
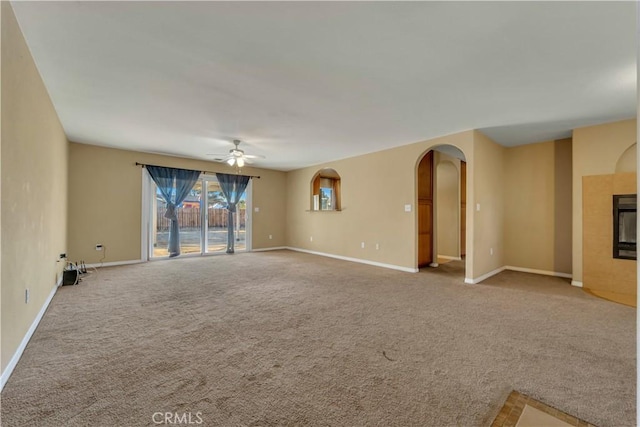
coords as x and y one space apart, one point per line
105 204
596 151
563 215
537 223
487 179
628 161
2 358
375 188
602 272
447 205
34 189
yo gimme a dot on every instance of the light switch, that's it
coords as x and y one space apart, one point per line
407 208
478 207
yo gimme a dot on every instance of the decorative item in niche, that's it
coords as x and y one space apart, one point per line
624 226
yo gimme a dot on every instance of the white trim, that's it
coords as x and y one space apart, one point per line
576 283
146 213
248 218
27 337
522 270
115 263
452 258
361 261
275 248
204 213
484 276
534 271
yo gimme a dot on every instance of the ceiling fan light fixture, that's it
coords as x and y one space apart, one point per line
236 156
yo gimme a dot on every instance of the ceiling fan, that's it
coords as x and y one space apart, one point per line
236 156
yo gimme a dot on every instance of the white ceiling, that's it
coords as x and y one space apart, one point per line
307 82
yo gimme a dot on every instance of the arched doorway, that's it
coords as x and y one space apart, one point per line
441 202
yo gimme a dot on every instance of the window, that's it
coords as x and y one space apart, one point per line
325 191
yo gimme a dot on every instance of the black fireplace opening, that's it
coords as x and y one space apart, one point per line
624 226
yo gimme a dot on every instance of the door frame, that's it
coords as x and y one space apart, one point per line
468 217
146 242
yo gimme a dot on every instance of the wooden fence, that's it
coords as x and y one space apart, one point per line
190 218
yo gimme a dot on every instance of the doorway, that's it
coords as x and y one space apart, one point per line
202 220
441 205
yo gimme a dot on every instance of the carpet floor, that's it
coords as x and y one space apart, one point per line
285 338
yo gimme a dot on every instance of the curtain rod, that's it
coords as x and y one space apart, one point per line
209 172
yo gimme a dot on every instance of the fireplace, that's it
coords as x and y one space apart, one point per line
624 226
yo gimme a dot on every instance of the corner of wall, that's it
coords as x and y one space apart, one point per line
487 205
33 176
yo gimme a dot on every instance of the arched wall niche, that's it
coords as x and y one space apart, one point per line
325 190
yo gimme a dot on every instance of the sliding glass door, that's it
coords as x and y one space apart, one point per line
217 217
202 218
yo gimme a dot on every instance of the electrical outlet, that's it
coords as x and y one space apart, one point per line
311 238
407 208
377 246
26 296
362 245
256 209
270 237
491 251
98 247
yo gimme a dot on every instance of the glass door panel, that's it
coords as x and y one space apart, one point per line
217 218
189 221
202 218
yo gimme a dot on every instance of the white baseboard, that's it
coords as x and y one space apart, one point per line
275 248
115 263
18 354
452 258
483 277
534 271
576 283
358 260
522 270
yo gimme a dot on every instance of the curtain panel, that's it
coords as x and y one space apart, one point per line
174 185
232 186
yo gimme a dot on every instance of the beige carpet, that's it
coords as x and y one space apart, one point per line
283 338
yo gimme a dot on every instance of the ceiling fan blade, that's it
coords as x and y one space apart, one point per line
236 154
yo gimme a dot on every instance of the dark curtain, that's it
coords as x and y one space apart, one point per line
232 186
174 185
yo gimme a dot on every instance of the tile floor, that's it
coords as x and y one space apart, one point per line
520 410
